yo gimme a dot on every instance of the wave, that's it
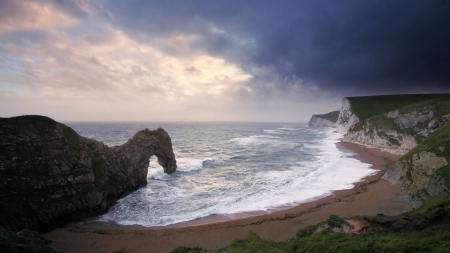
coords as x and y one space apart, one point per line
271 131
288 129
255 139
285 170
192 164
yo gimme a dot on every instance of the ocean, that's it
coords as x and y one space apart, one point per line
231 168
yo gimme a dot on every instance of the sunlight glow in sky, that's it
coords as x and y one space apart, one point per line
180 61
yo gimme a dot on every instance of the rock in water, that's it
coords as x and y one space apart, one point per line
50 175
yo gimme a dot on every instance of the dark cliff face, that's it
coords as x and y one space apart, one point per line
50 175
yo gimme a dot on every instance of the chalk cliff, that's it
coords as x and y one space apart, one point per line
324 120
400 130
347 118
356 109
51 175
415 126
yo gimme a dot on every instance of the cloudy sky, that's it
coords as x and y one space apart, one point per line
101 60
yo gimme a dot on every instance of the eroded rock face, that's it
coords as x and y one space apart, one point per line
50 175
408 129
317 121
417 176
346 117
390 141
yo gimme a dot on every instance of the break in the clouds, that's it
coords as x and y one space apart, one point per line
215 60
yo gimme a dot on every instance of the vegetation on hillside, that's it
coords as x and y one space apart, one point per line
438 106
366 107
423 230
14 243
331 116
437 142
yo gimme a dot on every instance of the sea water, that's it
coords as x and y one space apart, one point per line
231 168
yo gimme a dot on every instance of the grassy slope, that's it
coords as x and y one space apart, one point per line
441 106
427 229
12 243
424 230
331 116
439 143
366 107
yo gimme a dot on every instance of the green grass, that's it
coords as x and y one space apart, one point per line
440 106
12 243
367 107
429 240
434 142
444 172
331 116
430 204
427 229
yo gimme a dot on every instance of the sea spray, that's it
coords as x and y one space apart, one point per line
232 168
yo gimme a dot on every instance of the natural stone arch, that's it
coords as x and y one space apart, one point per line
51 175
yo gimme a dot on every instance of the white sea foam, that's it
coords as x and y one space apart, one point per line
157 174
255 139
287 128
286 171
189 164
272 131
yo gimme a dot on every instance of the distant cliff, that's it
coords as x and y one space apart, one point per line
324 120
415 126
50 174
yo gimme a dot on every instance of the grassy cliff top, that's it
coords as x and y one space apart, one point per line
366 107
331 116
440 106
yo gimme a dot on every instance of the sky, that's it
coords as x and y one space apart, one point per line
198 60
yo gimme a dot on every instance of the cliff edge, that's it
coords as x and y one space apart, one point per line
414 126
51 175
400 130
324 120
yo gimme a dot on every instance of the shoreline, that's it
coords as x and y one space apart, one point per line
370 196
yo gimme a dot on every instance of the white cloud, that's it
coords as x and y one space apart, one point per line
82 67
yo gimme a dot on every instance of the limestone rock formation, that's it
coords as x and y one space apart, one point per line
399 131
425 171
417 176
324 120
346 117
51 175
416 126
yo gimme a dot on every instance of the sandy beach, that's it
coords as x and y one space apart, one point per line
370 196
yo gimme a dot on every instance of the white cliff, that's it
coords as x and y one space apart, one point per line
324 120
346 117
397 132
317 121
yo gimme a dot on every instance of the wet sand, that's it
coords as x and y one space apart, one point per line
371 196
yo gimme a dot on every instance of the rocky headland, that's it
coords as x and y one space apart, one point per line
324 120
414 126
50 175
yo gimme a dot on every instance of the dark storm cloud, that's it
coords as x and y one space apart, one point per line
359 47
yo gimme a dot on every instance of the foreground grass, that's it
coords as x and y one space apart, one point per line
423 230
11 242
